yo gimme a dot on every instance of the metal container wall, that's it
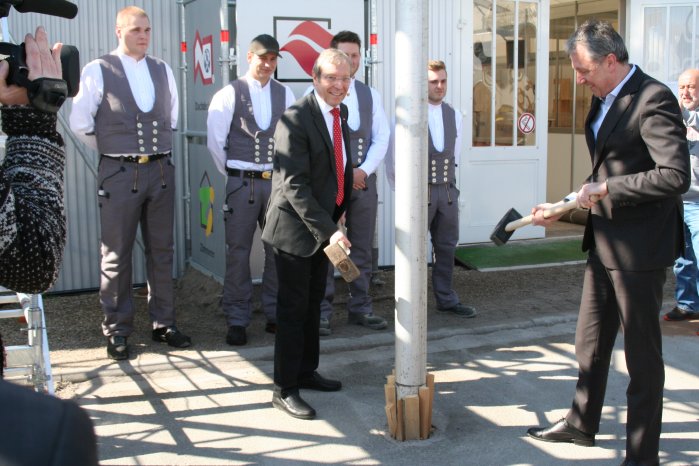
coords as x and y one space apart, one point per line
443 45
92 32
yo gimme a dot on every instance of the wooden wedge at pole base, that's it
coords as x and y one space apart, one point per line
409 418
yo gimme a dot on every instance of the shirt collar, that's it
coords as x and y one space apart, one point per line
615 92
254 82
324 107
120 53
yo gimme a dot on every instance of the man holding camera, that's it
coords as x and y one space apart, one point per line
127 108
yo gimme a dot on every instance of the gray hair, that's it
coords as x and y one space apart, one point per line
600 39
330 57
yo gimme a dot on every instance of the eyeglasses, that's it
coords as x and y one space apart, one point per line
333 79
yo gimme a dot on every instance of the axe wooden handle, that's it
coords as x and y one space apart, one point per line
551 212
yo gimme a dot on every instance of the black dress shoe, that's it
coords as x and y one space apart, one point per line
271 327
317 382
628 462
562 432
236 336
172 337
117 348
293 405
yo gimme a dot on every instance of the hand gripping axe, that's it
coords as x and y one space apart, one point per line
513 220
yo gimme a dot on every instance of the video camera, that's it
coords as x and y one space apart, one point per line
45 93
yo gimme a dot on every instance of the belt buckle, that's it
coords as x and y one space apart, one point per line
143 159
266 175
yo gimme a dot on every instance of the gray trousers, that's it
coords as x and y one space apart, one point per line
443 224
121 212
247 200
360 222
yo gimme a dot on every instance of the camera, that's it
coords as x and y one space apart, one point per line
44 93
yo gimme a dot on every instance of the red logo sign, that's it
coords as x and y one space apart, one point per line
203 59
305 39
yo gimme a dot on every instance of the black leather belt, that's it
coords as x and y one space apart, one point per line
265 175
139 158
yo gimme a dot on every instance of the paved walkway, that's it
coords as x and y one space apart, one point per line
493 381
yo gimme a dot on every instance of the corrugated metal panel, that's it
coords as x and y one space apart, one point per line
386 20
92 31
444 44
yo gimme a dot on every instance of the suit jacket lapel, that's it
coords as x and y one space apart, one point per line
589 135
617 110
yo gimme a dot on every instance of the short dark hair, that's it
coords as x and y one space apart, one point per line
345 36
600 39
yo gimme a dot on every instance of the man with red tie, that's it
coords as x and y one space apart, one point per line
311 185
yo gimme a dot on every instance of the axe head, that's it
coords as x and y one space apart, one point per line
499 236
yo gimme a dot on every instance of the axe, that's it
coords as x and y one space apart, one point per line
513 219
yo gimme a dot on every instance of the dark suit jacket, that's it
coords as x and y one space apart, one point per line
641 151
304 183
43 430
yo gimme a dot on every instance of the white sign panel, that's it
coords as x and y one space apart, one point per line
302 28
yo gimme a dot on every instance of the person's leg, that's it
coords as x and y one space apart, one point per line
263 189
294 274
316 291
120 211
157 223
640 295
597 328
685 268
444 230
240 224
361 222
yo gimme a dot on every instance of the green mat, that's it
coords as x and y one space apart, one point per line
521 253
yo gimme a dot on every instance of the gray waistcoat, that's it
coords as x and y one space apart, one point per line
246 141
361 139
441 164
120 126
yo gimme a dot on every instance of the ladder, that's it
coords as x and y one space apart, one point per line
29 363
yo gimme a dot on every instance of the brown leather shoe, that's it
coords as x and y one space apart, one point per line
562 432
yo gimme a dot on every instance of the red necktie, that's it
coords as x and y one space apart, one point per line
339 165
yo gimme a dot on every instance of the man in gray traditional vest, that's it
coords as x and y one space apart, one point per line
444 148
369 138
240 134
127 109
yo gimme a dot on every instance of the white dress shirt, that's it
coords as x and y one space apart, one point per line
436 125
89 97
218 121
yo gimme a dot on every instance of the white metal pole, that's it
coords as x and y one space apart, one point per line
225 59
411 195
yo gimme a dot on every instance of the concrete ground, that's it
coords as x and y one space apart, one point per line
493 381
